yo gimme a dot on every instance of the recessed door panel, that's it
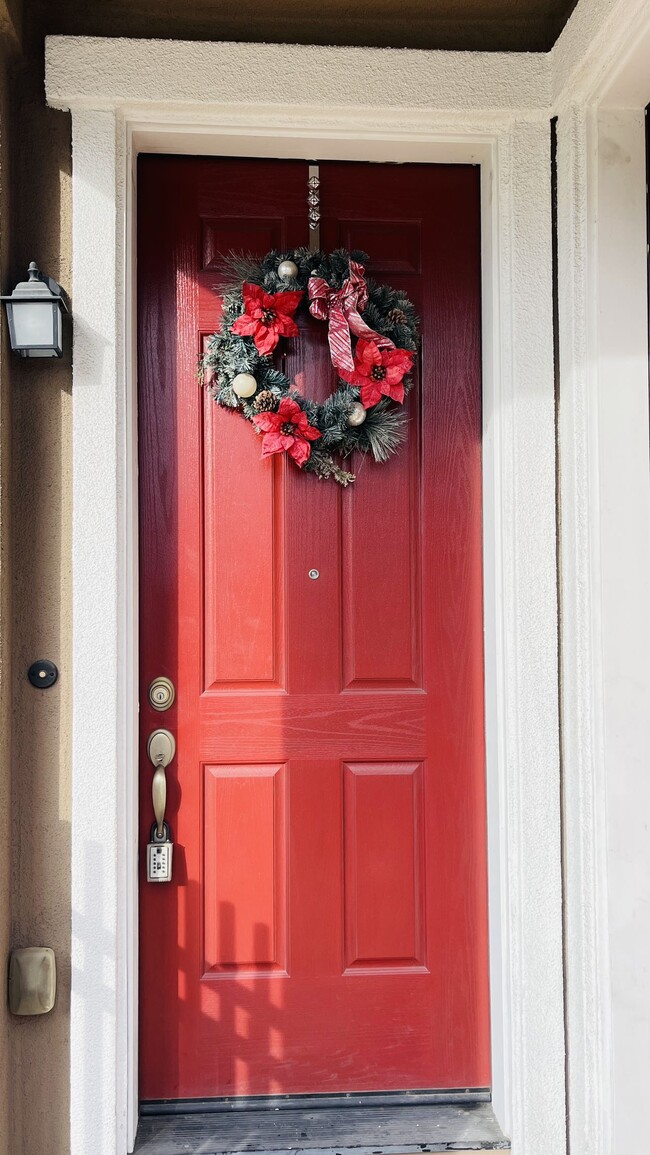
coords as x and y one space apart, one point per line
392 246
222 236
243 571
244 911
381 574
385 914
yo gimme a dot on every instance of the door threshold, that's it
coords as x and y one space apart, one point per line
345 1129
318 1100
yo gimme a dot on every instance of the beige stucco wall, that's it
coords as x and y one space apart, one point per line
40 551
5 631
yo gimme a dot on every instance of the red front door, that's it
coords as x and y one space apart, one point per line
326 926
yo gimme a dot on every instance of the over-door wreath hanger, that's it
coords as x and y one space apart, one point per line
373 339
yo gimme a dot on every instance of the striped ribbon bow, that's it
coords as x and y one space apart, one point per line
343 307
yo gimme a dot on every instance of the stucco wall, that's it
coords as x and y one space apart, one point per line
41 521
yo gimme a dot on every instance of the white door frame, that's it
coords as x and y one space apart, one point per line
127 96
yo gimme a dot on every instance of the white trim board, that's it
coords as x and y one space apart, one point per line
605 578
96 72
454 108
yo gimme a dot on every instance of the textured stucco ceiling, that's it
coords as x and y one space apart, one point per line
494 25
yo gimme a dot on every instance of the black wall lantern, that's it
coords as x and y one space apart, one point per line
35 314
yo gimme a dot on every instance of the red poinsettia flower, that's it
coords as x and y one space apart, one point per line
268 317
379 372
288 431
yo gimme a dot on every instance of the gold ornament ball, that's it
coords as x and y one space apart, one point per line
357 414
287 270
244 384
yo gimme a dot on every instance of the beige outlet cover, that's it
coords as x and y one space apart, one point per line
32 980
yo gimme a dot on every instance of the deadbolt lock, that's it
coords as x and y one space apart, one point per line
161 693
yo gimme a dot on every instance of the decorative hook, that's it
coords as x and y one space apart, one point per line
313 202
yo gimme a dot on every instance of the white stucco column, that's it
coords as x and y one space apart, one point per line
605 583
103 765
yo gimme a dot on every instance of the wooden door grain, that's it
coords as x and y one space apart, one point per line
326 927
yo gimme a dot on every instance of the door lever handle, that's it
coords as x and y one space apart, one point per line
161 748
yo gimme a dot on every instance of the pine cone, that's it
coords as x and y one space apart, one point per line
397 317
265 401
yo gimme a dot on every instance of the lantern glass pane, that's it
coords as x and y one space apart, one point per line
57 335
34 324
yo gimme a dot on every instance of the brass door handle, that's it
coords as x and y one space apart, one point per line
161 748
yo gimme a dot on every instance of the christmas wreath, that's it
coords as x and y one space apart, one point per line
260 302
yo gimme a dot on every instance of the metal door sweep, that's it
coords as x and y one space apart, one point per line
378 1124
